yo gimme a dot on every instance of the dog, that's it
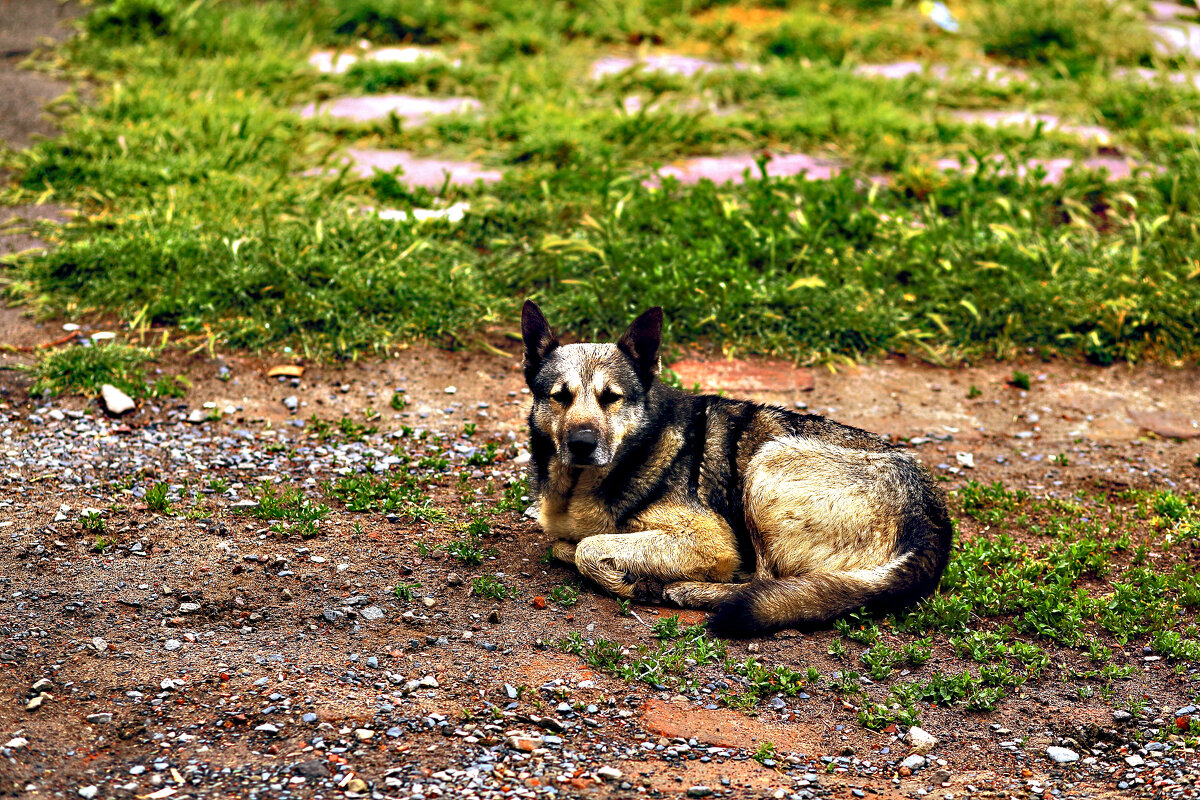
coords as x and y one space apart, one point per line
768 518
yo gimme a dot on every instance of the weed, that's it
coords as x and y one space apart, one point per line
765 752
1020 380
491 586
157 498
399 401
404 591
565 595
92 523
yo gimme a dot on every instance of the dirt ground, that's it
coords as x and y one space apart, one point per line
200 653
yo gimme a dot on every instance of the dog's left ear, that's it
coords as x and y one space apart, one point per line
539 340
642 341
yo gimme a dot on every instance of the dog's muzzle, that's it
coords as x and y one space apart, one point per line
583 445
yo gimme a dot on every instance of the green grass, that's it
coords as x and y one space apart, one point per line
189 164
1089 582
83 370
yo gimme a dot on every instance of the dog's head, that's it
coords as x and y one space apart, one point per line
587 398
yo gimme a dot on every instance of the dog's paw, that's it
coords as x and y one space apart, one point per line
647 590
563 550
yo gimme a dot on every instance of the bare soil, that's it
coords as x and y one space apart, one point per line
259 649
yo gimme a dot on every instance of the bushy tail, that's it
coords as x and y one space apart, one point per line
815 599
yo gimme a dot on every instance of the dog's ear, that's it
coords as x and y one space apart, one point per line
539 340
641 343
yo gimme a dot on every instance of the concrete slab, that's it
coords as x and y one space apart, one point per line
897 70
413 110
720 169
24 94
337 62
668 63
1024 119
430 173
1056 168
1179 39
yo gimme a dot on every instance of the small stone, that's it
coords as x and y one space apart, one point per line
189 608
291 403
1122 716
316 768
914 762
88 792
267 728
197 416
103 718
920 740
356 785
363 734
454 579
941 776
42 684
451 389
1062 755
16 743
172 644
699 791
115 401
609 773
371 613
36 702
526 744
494 616
1135 760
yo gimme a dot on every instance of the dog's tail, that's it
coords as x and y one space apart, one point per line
815 599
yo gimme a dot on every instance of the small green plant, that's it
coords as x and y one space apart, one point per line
399 402
157 498
624 607
101 544
491 586
404 591
92 523
1020 380
469 429
973 391
565 595
1062 460
218 485
765 752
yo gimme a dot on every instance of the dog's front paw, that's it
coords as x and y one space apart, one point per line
563 550
647 590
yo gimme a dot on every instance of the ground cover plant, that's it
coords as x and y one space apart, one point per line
191 165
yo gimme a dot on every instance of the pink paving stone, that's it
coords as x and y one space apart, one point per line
1001 76
413 110
1153 75
671 64
1056 168
736 375
1178 39
720 169
633 104
335 62
1168 11
1025 119
427 172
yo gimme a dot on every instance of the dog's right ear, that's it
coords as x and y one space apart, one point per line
539 340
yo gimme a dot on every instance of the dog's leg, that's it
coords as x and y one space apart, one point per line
699 594
563 551
637 564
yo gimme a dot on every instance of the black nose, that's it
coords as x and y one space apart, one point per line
582 443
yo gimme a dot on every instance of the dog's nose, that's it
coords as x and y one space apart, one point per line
582 443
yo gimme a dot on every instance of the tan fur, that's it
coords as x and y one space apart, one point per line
833 518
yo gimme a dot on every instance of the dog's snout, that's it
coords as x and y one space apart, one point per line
582 443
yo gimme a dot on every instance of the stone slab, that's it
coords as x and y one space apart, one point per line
1025 119
898 70
429 173
720 169
337 62
1117 167
413 110
667 63
1179 39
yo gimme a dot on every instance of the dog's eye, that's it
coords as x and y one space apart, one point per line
608 397
562 396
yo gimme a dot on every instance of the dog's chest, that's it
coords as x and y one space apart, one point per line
571 508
